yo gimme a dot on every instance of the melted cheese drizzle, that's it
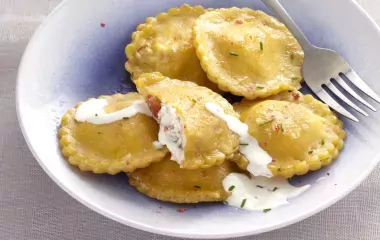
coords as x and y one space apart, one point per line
92 111
260 192
249 147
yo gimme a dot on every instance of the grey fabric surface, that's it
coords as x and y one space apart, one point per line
33 207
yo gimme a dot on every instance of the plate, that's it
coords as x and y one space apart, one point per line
78 52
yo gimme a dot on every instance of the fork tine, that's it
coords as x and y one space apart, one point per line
325 97
344 98
345 86
359 83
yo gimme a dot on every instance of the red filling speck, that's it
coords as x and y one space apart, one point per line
277 128
102 25
154 104
296 96
239 21
181 210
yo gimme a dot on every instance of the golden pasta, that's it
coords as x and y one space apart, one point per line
194 136
164 44
121 146
248 53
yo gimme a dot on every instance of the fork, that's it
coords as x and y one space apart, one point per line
322 65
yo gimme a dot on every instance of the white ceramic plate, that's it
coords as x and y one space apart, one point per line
71 57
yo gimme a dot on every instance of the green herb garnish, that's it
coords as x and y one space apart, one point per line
244 144
261 46
274 189
96 114
234 54
269 121
243 203
267 210
259 186
295 78
323 142
281 127
120 124
231 188
259 87
125 118
225 202
311 151
196 186
100 133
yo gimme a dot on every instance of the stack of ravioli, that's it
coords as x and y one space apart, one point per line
183 59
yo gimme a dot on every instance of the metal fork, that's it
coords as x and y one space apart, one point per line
322 65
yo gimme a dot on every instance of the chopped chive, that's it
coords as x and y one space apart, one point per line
259 186
132 75
243 203
225 202
292 56
120 124
100 133
259 87
261 46
193 100
234 54
231 188
96 114
244 144
274 189
282 127
267 210
125 118
295 78
311 151
269 121
196 186
323 142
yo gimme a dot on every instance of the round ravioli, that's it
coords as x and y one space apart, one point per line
164 44
248 53
166 181
194 136
120 146
299 132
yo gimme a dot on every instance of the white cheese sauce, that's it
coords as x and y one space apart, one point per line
259 193
171 132
92 111
249 147
158 145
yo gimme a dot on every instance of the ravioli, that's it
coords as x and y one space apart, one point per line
248 53
299 132
193 135
120 146
164 44
166 181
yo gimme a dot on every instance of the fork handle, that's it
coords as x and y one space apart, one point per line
276 7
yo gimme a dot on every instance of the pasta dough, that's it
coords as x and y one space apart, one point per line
194 136
166 181
299 132
121 146
164 44
247 52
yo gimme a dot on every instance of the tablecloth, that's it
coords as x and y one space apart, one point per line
32 206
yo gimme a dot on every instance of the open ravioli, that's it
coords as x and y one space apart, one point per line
299 132
119 146
193 135
164 44
166 181
248 53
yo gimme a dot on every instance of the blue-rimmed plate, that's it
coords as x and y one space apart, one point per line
78 52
